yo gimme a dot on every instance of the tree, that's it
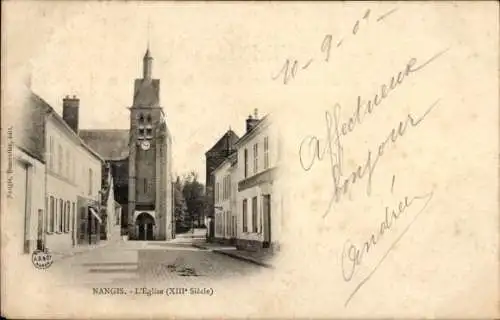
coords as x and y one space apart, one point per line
194 195
180 208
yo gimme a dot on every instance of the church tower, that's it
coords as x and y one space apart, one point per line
150 198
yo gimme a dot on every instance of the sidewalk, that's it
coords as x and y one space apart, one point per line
261 258
56 256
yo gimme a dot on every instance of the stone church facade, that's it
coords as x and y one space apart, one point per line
140 160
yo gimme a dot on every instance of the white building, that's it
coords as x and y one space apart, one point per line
28 194
25 176
248 202
225 200
53 175
73 182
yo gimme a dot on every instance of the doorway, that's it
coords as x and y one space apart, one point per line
145 226
266 199
39 239
73 225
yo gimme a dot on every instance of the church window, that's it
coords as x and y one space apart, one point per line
149 118
149 133
141 118
141 133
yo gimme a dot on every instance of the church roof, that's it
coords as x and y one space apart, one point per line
109 144
147 93
226 142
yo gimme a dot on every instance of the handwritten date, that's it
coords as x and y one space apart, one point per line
291 67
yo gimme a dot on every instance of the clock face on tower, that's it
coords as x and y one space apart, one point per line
145 145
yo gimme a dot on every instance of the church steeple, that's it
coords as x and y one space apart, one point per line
147 64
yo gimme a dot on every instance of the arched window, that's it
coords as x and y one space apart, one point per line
141 118
149 118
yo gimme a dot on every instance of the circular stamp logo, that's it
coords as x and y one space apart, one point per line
41 259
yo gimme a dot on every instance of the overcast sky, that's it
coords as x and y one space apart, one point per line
216 61
214 68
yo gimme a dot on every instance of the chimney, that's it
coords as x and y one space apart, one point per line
252 122
70 112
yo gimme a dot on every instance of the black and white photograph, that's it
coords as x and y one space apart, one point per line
167 159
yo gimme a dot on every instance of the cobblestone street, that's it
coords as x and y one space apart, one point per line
142 263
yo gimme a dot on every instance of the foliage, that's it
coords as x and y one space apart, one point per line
189 199
194 195
180 209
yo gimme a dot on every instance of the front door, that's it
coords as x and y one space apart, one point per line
39 240
145 226
149 231
82 229
267 220
73 224
141 234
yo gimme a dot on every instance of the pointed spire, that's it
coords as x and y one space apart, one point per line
148 53
149 31
148 59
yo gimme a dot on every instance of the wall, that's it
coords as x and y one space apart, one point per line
29 190
66 180
222 202
258 182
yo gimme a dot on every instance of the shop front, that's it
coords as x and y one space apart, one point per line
89 221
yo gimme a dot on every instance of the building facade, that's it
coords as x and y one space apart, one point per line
112 146
29 189
150 203
217 154
26 175
225 210
248 197
140 159
73 182
56 177
260 213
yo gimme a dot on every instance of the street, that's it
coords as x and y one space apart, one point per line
148 263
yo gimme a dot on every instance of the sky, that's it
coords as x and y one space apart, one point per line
213 68
216 62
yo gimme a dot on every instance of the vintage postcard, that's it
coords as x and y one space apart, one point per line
249 160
